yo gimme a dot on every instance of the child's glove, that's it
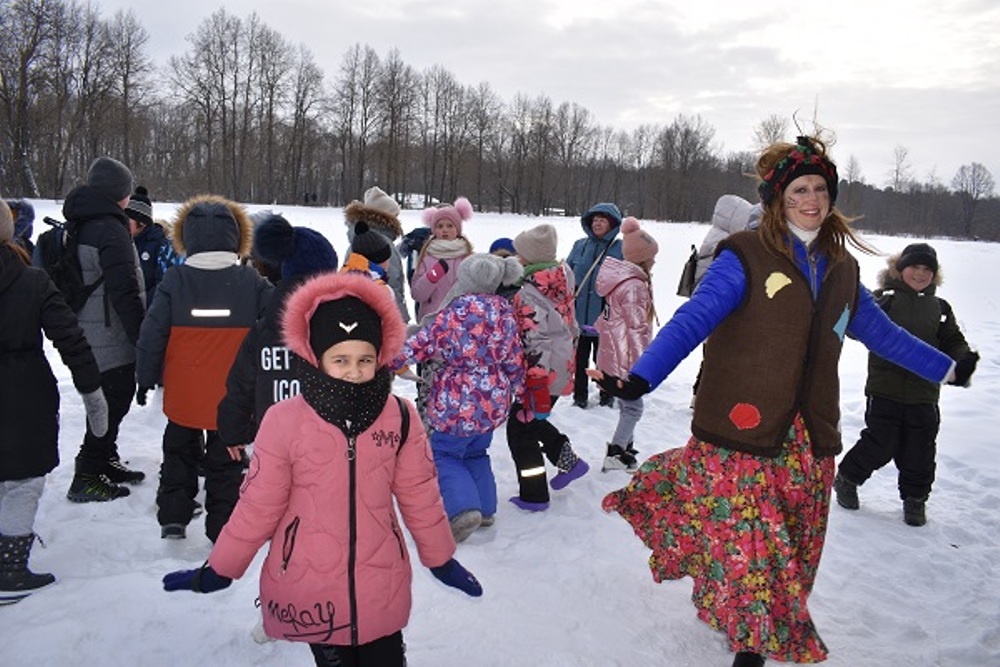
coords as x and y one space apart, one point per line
538 399
202 580
453 574
436 272
97 411
140 395
631 388
964 368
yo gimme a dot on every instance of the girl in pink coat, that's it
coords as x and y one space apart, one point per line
328 467
437 265
625 327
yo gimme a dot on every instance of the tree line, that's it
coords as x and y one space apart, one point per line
246 114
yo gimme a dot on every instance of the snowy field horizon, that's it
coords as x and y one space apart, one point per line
569 587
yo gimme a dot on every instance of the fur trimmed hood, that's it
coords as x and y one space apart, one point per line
376 219
207 223
302 303
891 273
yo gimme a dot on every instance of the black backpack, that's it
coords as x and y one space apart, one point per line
57 252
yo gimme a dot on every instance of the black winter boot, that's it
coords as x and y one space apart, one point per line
118 473
748 659
94 489
846 492
16 580
913 511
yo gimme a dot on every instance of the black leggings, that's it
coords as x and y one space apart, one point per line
387 651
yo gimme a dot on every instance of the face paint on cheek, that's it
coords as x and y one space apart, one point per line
791 202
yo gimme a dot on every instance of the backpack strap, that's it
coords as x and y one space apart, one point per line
404 422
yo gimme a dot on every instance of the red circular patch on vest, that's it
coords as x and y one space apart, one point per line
744 416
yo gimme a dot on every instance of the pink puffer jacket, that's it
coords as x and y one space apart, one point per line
623 325
337 569
297 494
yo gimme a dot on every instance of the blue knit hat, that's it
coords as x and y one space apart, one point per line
503 244
299 251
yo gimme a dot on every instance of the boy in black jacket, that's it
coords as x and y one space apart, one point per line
902 417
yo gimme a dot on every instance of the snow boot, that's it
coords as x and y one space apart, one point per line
847 492
748 659
465 523
619 459
94 489
173 531
529 506
488 521
607 401
913 511
117 473
16 580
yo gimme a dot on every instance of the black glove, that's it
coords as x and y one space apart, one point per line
632 388
964 368
453 574
140 395
202 580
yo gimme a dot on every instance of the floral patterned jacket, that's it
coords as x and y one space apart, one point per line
476 338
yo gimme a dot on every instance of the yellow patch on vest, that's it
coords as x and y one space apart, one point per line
775 282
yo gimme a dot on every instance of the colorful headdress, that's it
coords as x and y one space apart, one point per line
805 158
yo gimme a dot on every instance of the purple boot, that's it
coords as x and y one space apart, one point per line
562 479
529 506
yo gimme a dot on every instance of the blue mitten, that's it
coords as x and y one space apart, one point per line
202 580
453 574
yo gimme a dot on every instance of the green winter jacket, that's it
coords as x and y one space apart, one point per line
926 316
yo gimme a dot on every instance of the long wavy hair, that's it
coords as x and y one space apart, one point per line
835 232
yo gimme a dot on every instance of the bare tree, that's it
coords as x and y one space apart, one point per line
131 71
28 30
771 130
901 176
972 183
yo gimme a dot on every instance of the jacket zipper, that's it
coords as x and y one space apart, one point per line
352 550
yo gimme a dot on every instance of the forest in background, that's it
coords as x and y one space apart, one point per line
246 114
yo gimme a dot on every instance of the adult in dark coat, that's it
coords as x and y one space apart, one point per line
110 319
29 402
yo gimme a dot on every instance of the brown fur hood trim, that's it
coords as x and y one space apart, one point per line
891 273
201 204
357 211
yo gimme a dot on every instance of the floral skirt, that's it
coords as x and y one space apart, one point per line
749 530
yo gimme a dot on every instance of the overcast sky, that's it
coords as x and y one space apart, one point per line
920 75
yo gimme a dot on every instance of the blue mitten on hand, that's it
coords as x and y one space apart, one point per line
202 580
453 574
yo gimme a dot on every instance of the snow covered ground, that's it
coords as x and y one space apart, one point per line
568 587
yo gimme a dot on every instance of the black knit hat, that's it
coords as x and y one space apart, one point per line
111 177
140 206
370 244
349 318
918 253
298 251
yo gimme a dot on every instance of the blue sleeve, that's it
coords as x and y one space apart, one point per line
883 337
719 293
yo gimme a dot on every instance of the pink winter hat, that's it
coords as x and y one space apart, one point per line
638 247
458 212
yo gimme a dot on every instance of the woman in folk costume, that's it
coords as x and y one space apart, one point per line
742 508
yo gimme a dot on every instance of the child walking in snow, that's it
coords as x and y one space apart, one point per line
30 305
330 468
625 326
544 308
902 417
202 311
474 343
